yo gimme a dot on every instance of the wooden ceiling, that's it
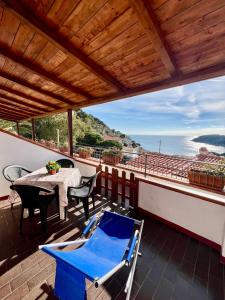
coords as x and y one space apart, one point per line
60 54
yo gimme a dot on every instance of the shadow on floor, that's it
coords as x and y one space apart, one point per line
173 266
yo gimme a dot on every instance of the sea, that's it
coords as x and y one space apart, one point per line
173 144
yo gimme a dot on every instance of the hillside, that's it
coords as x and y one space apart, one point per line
211 139
87 130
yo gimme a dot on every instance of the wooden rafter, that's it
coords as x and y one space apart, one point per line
7 114
13 108
40 71
61 42
203 74
4 107
13 111
28 97
152 28
7 117
27 84
14 101
22 108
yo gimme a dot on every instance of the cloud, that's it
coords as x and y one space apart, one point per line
194 104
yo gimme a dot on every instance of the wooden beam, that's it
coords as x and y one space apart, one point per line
21 104
152 28
7 117
14 111
70 131
61 42
33 129
40 71
27 84
28 97
203 74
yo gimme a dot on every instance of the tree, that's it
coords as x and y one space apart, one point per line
111 144
91 139
25 129
8 125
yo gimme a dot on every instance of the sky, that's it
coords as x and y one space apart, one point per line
193 109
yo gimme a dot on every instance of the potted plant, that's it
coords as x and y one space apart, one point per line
52 167
42 141
84 152
211 176
52 144
111 157
64 148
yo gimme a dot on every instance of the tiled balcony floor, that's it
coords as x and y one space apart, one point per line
172 266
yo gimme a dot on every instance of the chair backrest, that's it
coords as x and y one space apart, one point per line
65 163
13 172
92 181
29 194
115 231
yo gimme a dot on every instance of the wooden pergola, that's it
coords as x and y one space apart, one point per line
57 55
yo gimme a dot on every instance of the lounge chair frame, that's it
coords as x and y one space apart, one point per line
129 261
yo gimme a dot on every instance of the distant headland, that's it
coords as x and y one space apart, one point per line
211 139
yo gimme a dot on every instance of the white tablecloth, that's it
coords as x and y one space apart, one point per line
66 177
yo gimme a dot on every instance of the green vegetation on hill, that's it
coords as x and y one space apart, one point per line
211 139
87 129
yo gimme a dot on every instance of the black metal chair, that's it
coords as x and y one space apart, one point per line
32 198
83 192
13 172
65 163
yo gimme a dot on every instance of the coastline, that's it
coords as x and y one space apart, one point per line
174 145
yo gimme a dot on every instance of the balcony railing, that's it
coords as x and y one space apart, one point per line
151 163
161 165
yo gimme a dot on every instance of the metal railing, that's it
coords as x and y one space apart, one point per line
150 163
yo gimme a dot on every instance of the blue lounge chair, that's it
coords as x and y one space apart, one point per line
113 244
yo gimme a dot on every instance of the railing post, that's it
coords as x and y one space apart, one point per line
114 194
123 188
106 181
99 180
145 165
136 194
70 131
132 190
33 128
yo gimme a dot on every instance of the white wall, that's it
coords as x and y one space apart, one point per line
17 151
201 217
85 169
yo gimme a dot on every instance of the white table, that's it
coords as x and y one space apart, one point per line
66 177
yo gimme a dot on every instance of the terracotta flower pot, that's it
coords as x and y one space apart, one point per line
206 180
111 160
52 172
63 149
84 154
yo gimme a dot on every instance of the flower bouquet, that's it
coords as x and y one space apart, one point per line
52 167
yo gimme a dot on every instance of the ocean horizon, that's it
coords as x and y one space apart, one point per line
173 144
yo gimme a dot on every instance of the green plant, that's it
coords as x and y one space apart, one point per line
53 165
111 143
213 170
90 138
112 153
85 149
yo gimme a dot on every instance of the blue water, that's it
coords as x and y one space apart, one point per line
173 144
